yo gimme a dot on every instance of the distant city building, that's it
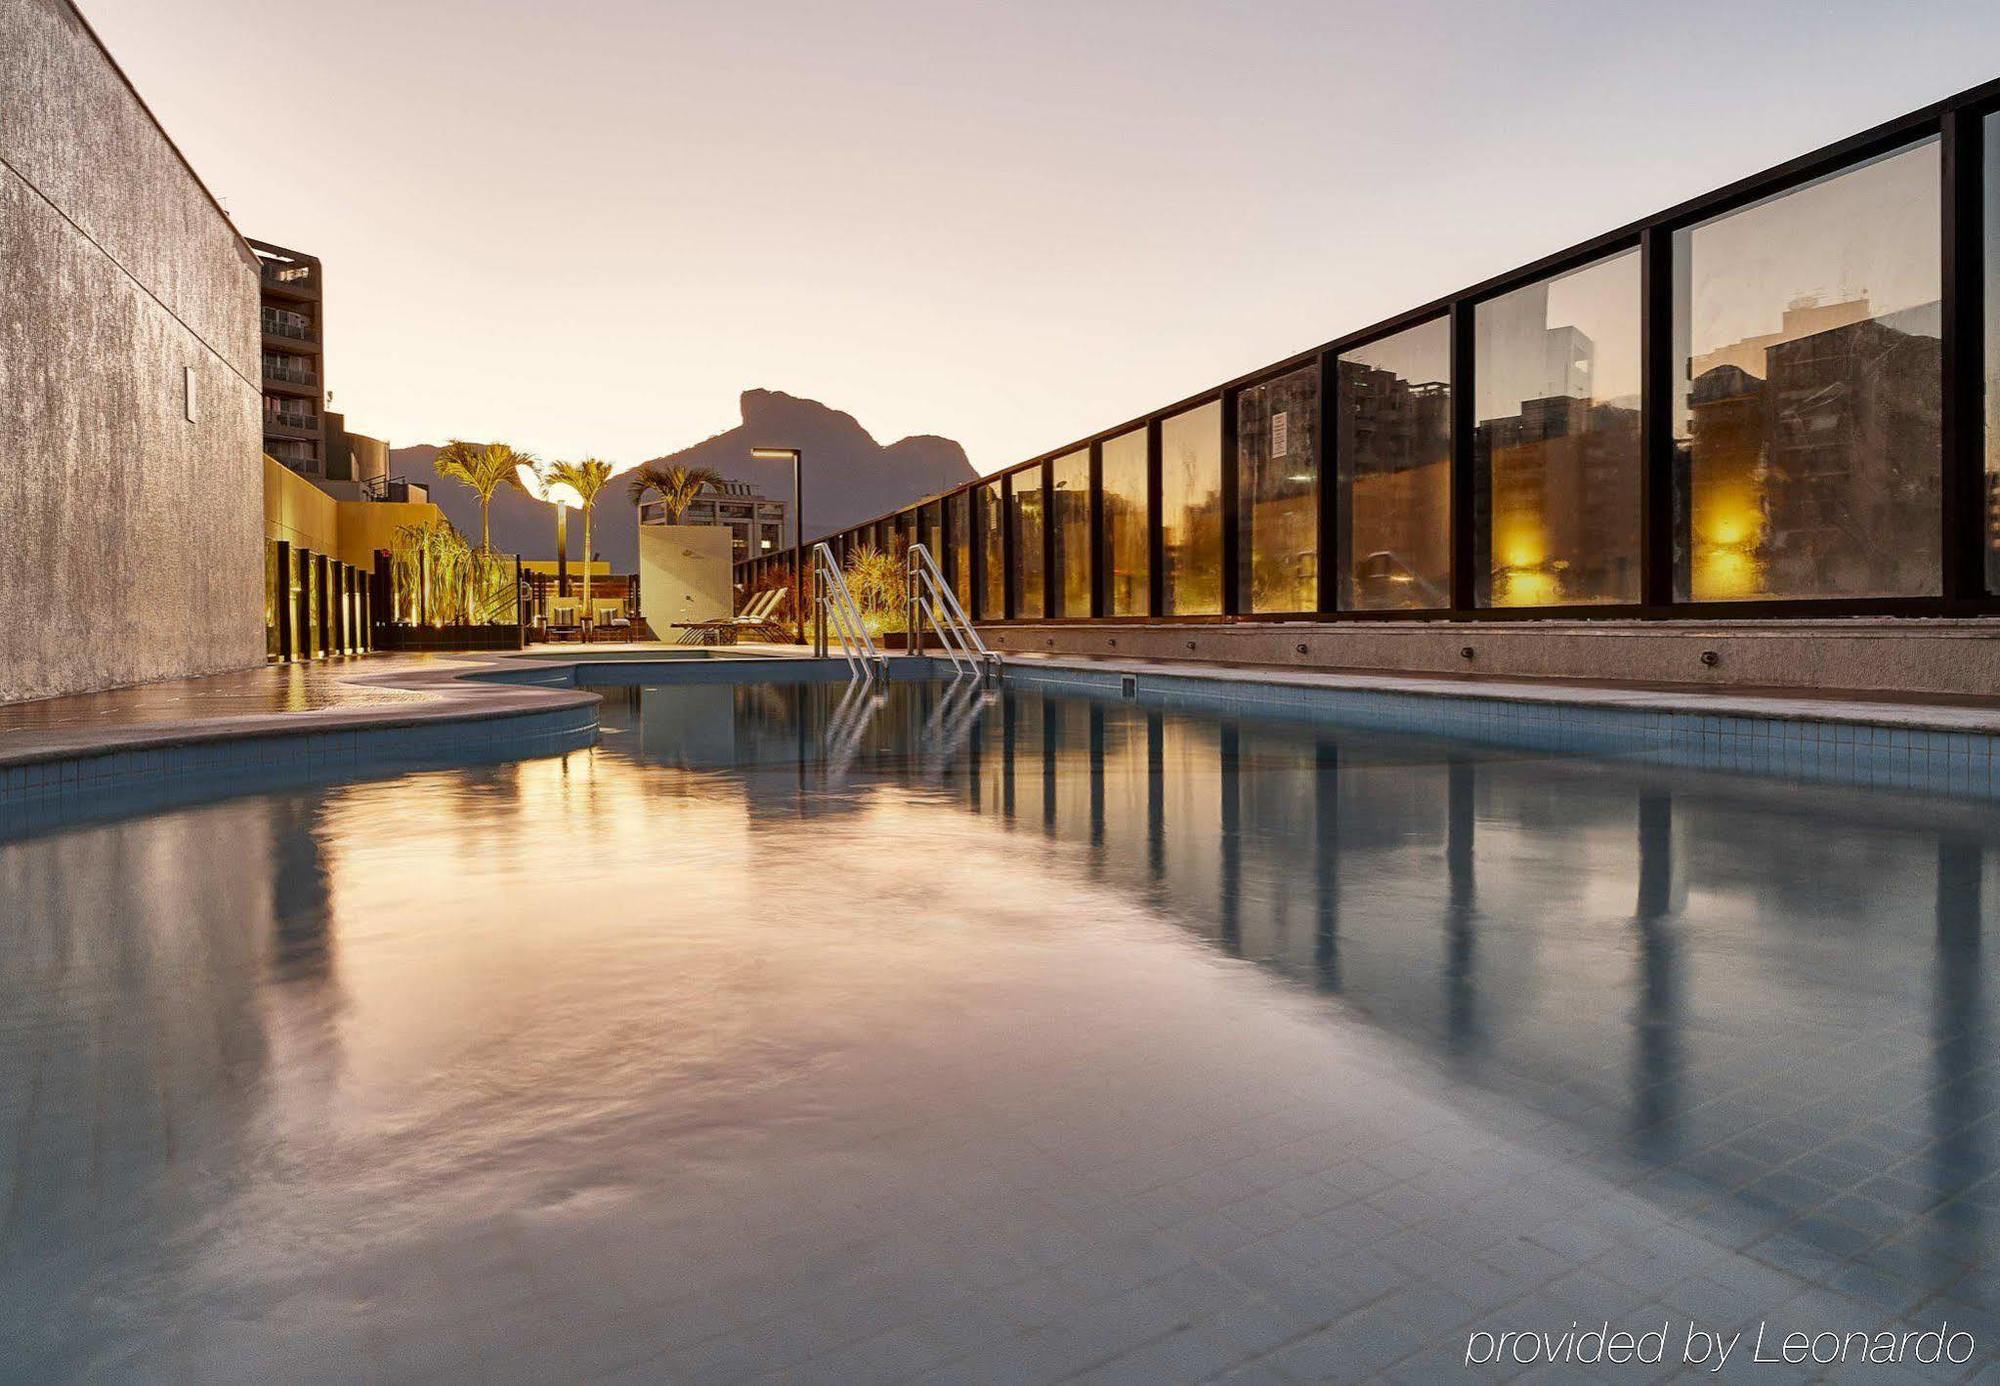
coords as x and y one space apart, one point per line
294 384
298 429
756 523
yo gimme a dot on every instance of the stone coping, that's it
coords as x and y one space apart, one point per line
1931 714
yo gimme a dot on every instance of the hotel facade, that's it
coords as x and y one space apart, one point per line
1772 403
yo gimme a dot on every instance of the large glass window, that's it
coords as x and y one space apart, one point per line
1069 481
958 548
1557 451
930 518
1394 470
1191 510
1807 416
993 554
1028 590
1126 549
1277 492
1990 497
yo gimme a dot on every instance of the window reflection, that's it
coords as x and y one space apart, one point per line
1557 451
1127 580
1991 495
993 555
958 546
1807 422
1277 449
1191 510
1069 480
1028 589
1394 470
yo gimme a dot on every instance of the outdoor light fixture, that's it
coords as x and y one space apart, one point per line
562 496
792 455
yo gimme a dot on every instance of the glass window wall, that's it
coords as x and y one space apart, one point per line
1990 495
1556 454
958 548
1277 491
1029 592
1807 409
993 554
1394 470
1191 510
1126 549
1069 479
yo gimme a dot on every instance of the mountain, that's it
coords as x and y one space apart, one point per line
849 477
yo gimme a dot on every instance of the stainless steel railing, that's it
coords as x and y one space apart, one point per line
932 603
834 611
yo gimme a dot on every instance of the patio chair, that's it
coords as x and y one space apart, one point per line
565 618
755 616
608 621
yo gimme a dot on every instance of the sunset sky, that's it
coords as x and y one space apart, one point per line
586 227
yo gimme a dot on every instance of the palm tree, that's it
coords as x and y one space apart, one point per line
676 486
586 478
485 468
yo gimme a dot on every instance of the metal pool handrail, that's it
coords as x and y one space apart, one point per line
931 600
833 605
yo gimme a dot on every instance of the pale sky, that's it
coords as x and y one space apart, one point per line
584 227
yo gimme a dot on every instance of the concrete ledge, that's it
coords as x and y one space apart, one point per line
1896 657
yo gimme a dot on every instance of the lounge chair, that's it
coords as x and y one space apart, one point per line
759 616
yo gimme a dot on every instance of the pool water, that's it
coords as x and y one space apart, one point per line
797 1032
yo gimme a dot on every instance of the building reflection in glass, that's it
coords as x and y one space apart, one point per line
1069 526
1557 448
1394 470
1127 517
1191 511
1277 462
1809 414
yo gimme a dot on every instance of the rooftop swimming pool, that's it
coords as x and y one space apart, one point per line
1021 1034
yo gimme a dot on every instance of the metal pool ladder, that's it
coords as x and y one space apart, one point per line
834 609
932 602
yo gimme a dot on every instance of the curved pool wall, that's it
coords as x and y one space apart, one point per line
180 768
1910 748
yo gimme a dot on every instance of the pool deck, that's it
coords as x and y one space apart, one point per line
382 691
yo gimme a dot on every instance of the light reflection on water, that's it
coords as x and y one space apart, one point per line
767 974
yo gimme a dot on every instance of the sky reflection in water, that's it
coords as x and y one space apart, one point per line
769 986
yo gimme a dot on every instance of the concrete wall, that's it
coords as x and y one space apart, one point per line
1915 656
131 534
683 575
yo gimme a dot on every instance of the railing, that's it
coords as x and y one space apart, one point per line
834 610
291 375
278 327
389 488
932 602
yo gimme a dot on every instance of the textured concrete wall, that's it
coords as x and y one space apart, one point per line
1950 657
132 536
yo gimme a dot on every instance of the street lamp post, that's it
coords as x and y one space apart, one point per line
798 546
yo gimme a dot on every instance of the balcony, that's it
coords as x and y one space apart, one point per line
276 325
289 281
288 424
291 375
